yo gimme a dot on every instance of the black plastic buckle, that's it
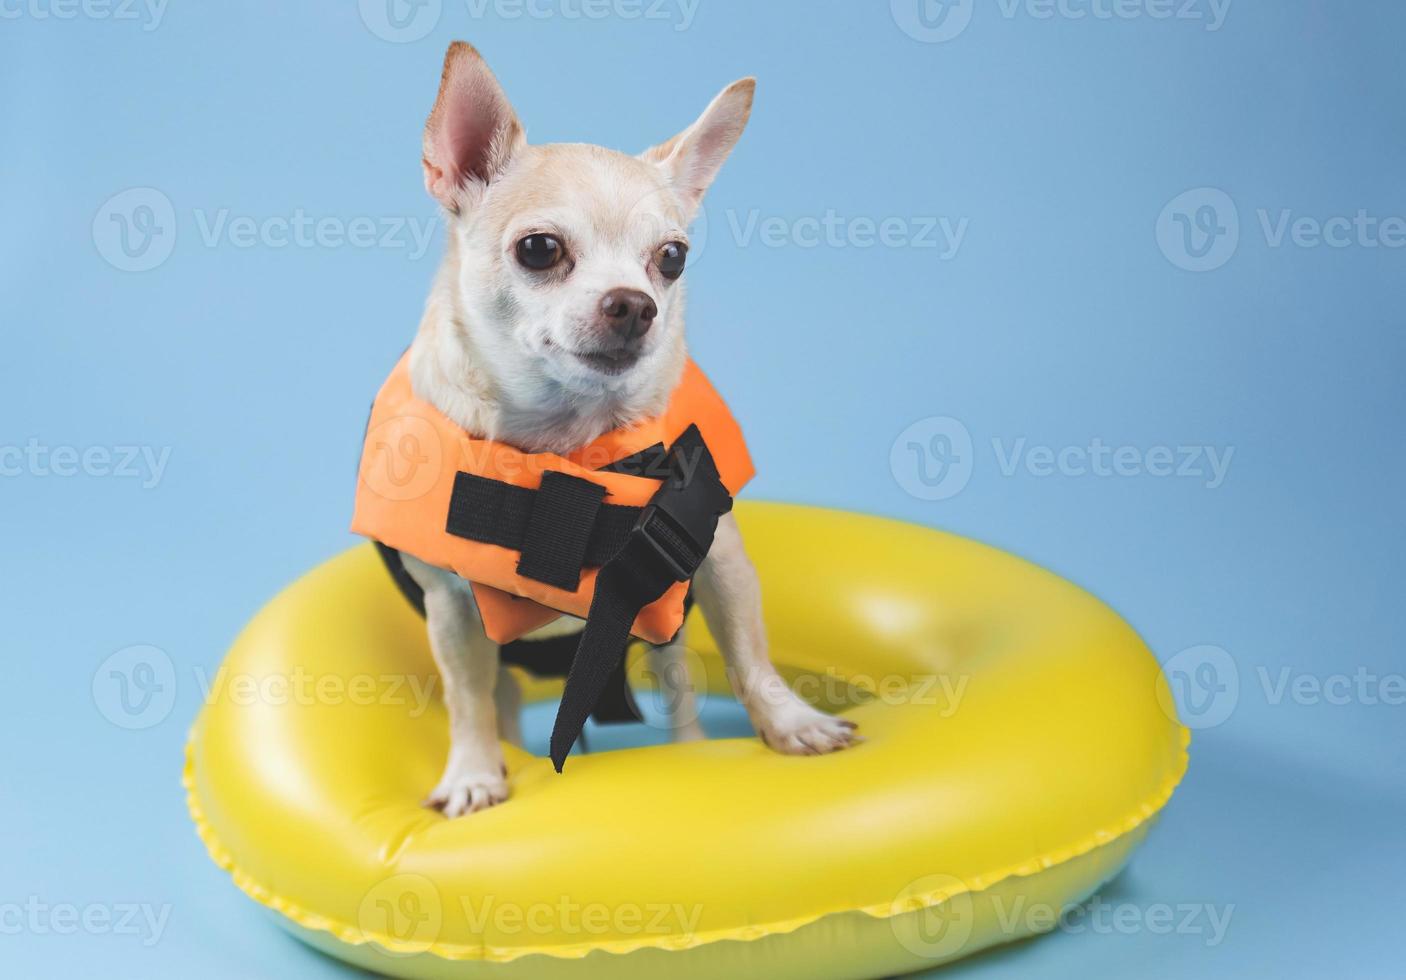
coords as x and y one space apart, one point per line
663 535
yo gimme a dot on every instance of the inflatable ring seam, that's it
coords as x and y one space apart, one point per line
354 935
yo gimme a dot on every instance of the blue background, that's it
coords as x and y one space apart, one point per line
1060 320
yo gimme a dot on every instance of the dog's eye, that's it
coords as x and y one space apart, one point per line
539 252
671 259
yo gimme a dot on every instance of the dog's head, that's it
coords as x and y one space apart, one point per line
567 258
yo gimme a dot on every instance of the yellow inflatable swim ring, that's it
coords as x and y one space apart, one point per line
1016 751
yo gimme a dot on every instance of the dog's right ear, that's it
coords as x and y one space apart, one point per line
472 131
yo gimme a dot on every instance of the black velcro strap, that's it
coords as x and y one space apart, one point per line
493 512
559 529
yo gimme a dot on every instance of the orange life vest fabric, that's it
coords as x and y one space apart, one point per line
406 478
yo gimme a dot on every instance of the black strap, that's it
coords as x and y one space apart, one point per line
487 510
667 544
559 530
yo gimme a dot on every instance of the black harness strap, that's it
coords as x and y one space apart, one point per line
667 544
482 509
559 530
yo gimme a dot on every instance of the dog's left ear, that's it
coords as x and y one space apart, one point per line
693 158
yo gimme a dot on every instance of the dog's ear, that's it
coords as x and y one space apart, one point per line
693 158
472 131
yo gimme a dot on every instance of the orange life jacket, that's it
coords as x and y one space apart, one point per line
419 473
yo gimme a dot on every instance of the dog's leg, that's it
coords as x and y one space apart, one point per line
474 775
507 698
669 662
730 596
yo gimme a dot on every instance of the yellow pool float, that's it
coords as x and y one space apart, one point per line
1016 751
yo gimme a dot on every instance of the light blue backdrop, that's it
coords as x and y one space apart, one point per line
1045 285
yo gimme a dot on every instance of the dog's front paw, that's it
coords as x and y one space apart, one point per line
795 728
465 789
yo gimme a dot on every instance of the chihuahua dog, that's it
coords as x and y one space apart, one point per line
557 316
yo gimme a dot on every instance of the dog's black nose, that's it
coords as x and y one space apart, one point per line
628 312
